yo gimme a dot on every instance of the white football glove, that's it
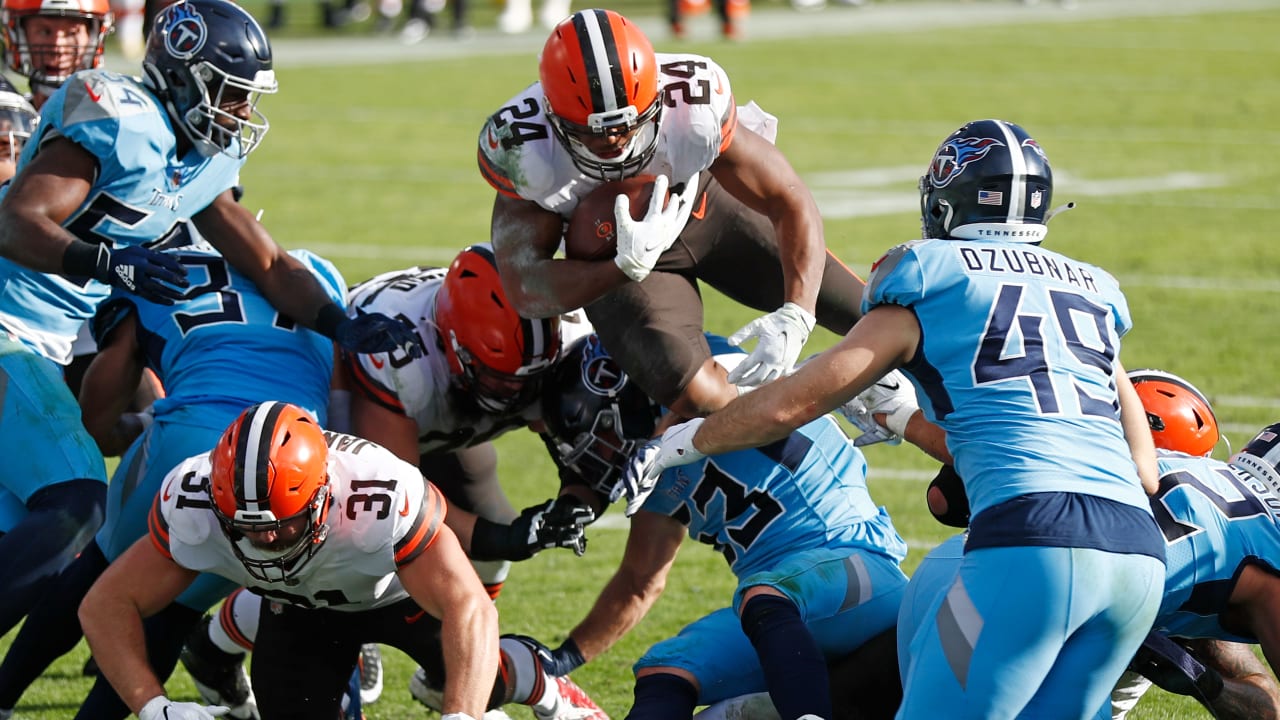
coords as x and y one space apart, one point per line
640 242
675 447
162 708
895 397
779 337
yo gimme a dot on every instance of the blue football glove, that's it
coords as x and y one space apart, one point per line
150 275
375 333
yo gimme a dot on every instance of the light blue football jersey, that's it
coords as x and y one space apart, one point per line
1016 363
760 505
143 194
225 322
1215 519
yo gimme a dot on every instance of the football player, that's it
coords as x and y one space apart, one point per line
338 533
607 107
1218 520
47 41
816 559
218 350
17 121
479 379
1049 437
114 171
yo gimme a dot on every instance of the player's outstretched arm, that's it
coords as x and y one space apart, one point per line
651 549
138 584
442 581
881 341
291 287
40 198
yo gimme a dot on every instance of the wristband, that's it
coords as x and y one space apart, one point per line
1210 684
329 318
897 420
492 541
569 657
456 716
82 259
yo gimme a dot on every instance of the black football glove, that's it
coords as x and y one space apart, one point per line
1169 665
552 524
376 333
561 661
151 275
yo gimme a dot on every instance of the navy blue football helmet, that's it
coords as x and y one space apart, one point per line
1261 457
988 181
209 62
595 414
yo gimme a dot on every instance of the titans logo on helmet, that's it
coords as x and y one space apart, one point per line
600 372
954 155
185 33
1030 143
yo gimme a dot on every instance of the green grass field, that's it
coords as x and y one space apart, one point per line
1160 126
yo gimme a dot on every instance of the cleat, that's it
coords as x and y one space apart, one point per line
370 669
572 703
219 676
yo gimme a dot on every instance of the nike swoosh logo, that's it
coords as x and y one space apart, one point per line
719 85
893 386
166 495
702 208
377 361
493 141
405 511
92 95
411 619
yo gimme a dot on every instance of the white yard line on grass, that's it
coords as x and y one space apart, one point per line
763 24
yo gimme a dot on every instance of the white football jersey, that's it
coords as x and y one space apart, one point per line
521 157
420 388
382 515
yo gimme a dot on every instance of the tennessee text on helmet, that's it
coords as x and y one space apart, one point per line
209 62
1261 457
595 414
497 355
23 54
269 483
600 78
1180 416
988 180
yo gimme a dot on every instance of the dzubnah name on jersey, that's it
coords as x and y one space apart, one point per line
1025 261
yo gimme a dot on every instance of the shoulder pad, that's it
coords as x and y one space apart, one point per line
97 94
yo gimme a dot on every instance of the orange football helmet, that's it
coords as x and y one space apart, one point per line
496 355
31 57
270 474
600 78
1179 414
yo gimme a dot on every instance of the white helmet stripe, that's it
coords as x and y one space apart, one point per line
256 443
601 54
1018 163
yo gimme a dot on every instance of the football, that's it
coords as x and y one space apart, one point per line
591 234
